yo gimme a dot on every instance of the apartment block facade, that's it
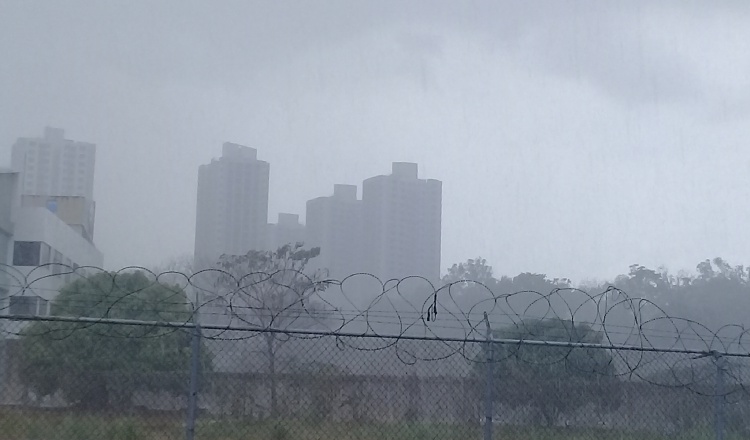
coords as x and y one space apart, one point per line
232 205
334 223
402 224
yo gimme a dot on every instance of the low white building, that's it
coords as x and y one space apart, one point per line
38 252
47 254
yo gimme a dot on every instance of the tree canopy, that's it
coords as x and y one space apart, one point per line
715 294
471 288
535 361
553 380
273 289
100 365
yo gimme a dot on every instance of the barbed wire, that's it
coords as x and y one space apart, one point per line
605 333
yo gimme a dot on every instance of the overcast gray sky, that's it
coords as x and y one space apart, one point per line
573 137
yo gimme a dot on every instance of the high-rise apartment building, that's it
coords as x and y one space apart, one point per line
334 224
232 208
58 174
54 166
402 224
288 230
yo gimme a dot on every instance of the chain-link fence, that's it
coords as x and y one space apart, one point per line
78 378
235 353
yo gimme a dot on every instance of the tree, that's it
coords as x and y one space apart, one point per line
642 282
175 270
182 270
476 270
688 382
271 290
101 365
472 289
554 380
717 295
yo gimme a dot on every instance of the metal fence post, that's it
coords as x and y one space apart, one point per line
719 397
489 382
195 348
3 362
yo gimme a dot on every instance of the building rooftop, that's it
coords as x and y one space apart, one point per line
238 152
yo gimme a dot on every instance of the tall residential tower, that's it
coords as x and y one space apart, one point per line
54 166
58 174
402 224
334 224
232 209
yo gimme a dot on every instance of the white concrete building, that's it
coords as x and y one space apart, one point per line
334 224
76 211
232 205
44 245
402 224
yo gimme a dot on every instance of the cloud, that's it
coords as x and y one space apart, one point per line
571 136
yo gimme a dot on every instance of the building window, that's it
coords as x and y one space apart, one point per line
57 260
26 253
23 305
44 256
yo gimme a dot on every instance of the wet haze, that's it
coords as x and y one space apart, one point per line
572 138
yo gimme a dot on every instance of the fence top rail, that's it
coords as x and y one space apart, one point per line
343 334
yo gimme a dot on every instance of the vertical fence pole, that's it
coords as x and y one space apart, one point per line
719 397
489 383
3 361
3 353
195 355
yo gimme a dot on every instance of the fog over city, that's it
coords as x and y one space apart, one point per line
374 219
572 138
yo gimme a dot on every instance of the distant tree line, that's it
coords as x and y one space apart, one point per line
715 295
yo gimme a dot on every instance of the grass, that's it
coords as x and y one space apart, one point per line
59 425
53 425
